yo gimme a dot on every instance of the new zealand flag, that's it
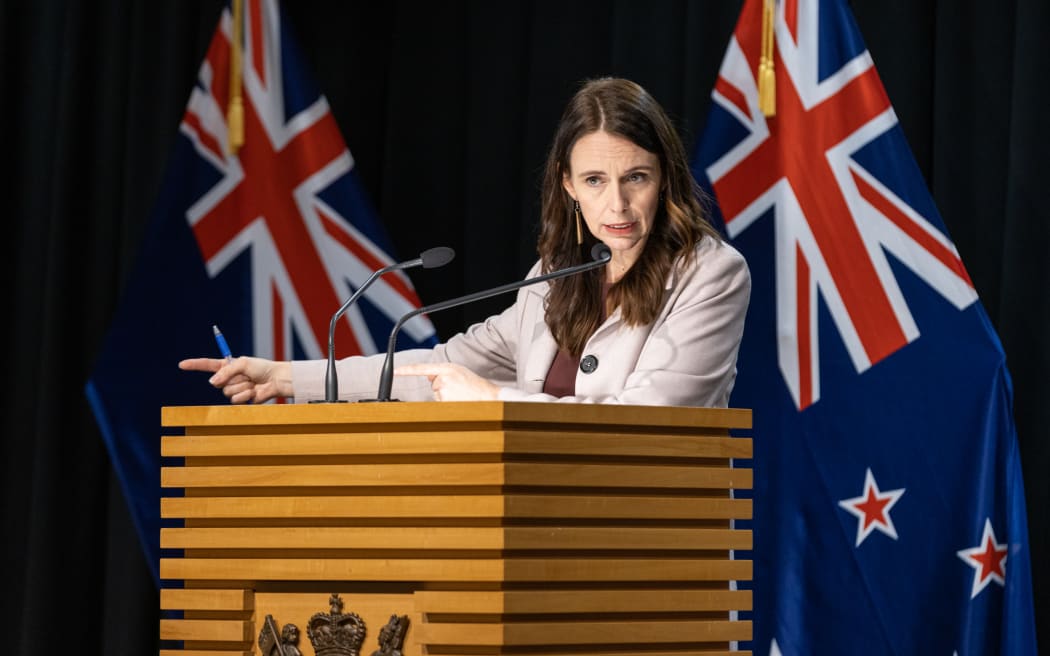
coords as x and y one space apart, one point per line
889 513
266 243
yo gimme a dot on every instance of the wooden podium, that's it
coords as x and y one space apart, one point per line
495 528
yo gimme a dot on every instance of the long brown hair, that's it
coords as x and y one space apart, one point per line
624 109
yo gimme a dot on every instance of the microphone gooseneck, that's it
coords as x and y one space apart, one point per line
600 254
428 259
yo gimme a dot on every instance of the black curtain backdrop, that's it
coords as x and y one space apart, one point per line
448 109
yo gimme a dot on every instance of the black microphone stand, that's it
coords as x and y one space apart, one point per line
600 253
428 259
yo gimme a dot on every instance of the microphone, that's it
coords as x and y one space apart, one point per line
600 253
428 259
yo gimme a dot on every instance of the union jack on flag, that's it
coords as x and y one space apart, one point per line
889 511
265 242
278 198
836 218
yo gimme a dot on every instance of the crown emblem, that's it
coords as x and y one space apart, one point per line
336 633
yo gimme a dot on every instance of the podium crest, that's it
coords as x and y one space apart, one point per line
336 633
392 636
283 643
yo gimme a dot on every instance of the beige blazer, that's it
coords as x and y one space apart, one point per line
686 357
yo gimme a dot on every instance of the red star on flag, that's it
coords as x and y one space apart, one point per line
872 509
988 560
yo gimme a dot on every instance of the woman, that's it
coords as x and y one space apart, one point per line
659 325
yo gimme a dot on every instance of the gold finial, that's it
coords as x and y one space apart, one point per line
767 81
235 110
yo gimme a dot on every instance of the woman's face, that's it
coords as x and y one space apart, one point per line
617 184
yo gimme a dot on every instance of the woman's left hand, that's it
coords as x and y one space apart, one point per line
452 382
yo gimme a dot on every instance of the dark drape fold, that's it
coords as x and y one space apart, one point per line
448 109
1024 277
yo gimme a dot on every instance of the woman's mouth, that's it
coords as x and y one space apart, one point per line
619 228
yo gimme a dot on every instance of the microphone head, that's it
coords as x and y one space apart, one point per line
600 252
437 257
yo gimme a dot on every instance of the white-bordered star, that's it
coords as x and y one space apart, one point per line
872 509
988 560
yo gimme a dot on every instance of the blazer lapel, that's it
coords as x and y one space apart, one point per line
541 351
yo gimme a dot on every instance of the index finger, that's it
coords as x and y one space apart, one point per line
201 364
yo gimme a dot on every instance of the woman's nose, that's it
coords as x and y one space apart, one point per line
619 201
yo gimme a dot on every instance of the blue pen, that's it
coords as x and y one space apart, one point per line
223 346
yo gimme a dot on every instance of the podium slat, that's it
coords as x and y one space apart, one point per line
206 630
429 537
362 416
704 650
462 442
522 634
458 506
201 599
459 475
203 652
456 569
582 601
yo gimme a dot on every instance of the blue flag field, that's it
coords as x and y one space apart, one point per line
889 513
265 241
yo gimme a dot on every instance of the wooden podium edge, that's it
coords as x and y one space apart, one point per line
500 412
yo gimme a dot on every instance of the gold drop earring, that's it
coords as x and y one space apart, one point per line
579 226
